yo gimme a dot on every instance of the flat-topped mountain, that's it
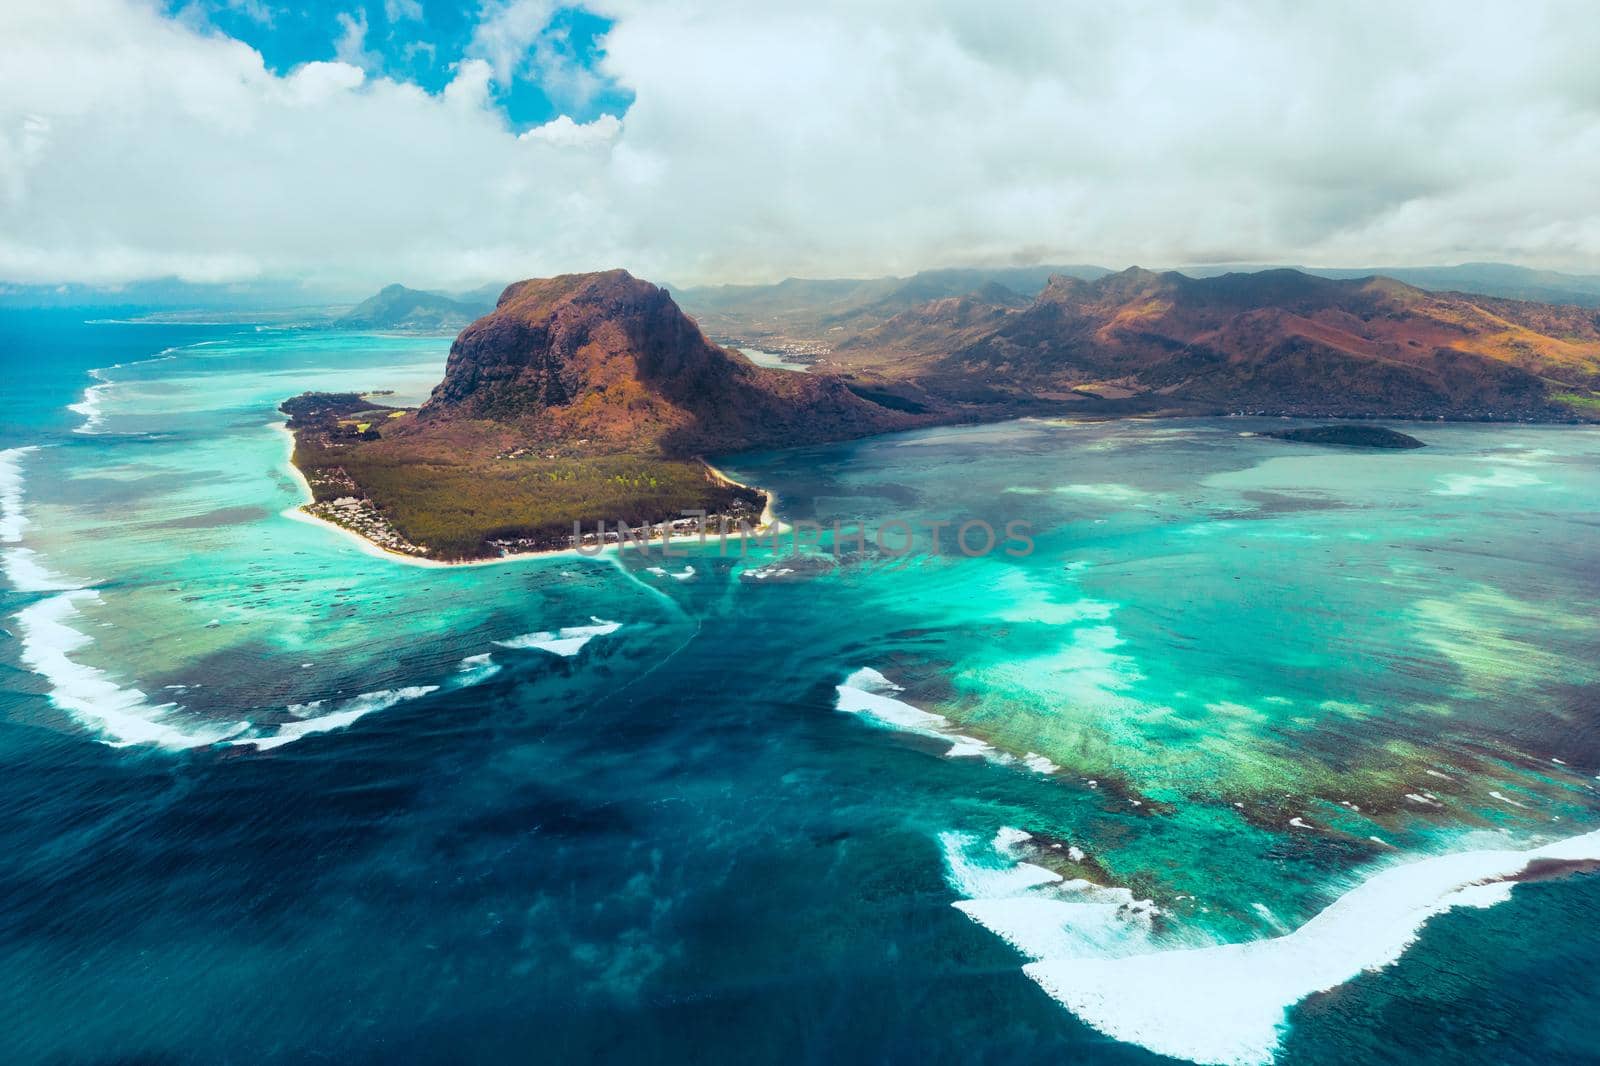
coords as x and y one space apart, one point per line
397 307
1278 341
611 359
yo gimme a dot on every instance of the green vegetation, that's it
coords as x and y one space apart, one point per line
457 506
466 489
1584 403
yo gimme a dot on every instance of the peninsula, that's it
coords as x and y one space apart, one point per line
584 398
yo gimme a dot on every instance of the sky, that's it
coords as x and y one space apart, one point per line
350 143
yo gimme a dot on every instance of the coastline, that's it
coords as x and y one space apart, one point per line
769 523
298 513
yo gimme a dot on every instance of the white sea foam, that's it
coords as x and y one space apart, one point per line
1219 1003
868 693
660 571
348 713
26 573
1497 478
566 642
122 716
12 520
475 669
1036 910
1039 764
769 571
1105 491
90 407
865 692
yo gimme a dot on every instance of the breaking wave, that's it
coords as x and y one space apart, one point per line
121 716
868 693
476 669
12 520
565 642
90 407
349 712
1095 951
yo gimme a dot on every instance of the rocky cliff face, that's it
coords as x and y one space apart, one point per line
610 359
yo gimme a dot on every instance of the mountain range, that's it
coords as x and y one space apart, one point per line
814 315
1273 342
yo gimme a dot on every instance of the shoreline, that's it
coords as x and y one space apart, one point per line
767 525
768 521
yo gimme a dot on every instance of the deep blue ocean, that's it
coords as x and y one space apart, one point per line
672 846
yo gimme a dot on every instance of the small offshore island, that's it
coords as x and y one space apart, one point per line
590 398
1350 436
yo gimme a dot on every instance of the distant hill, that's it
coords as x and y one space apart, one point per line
816 314
1481 279
397 307
946 323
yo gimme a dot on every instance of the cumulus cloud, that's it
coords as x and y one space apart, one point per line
564 131
837 138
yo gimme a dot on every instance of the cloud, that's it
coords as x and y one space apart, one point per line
469 89
197 12
351 46
563 131
506 32
402 10
837 138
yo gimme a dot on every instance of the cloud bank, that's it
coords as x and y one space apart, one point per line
833 138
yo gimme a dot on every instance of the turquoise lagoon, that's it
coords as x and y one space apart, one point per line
1238 764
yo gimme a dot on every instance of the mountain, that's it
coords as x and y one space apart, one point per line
581 399
1279 341
397 307
612 359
